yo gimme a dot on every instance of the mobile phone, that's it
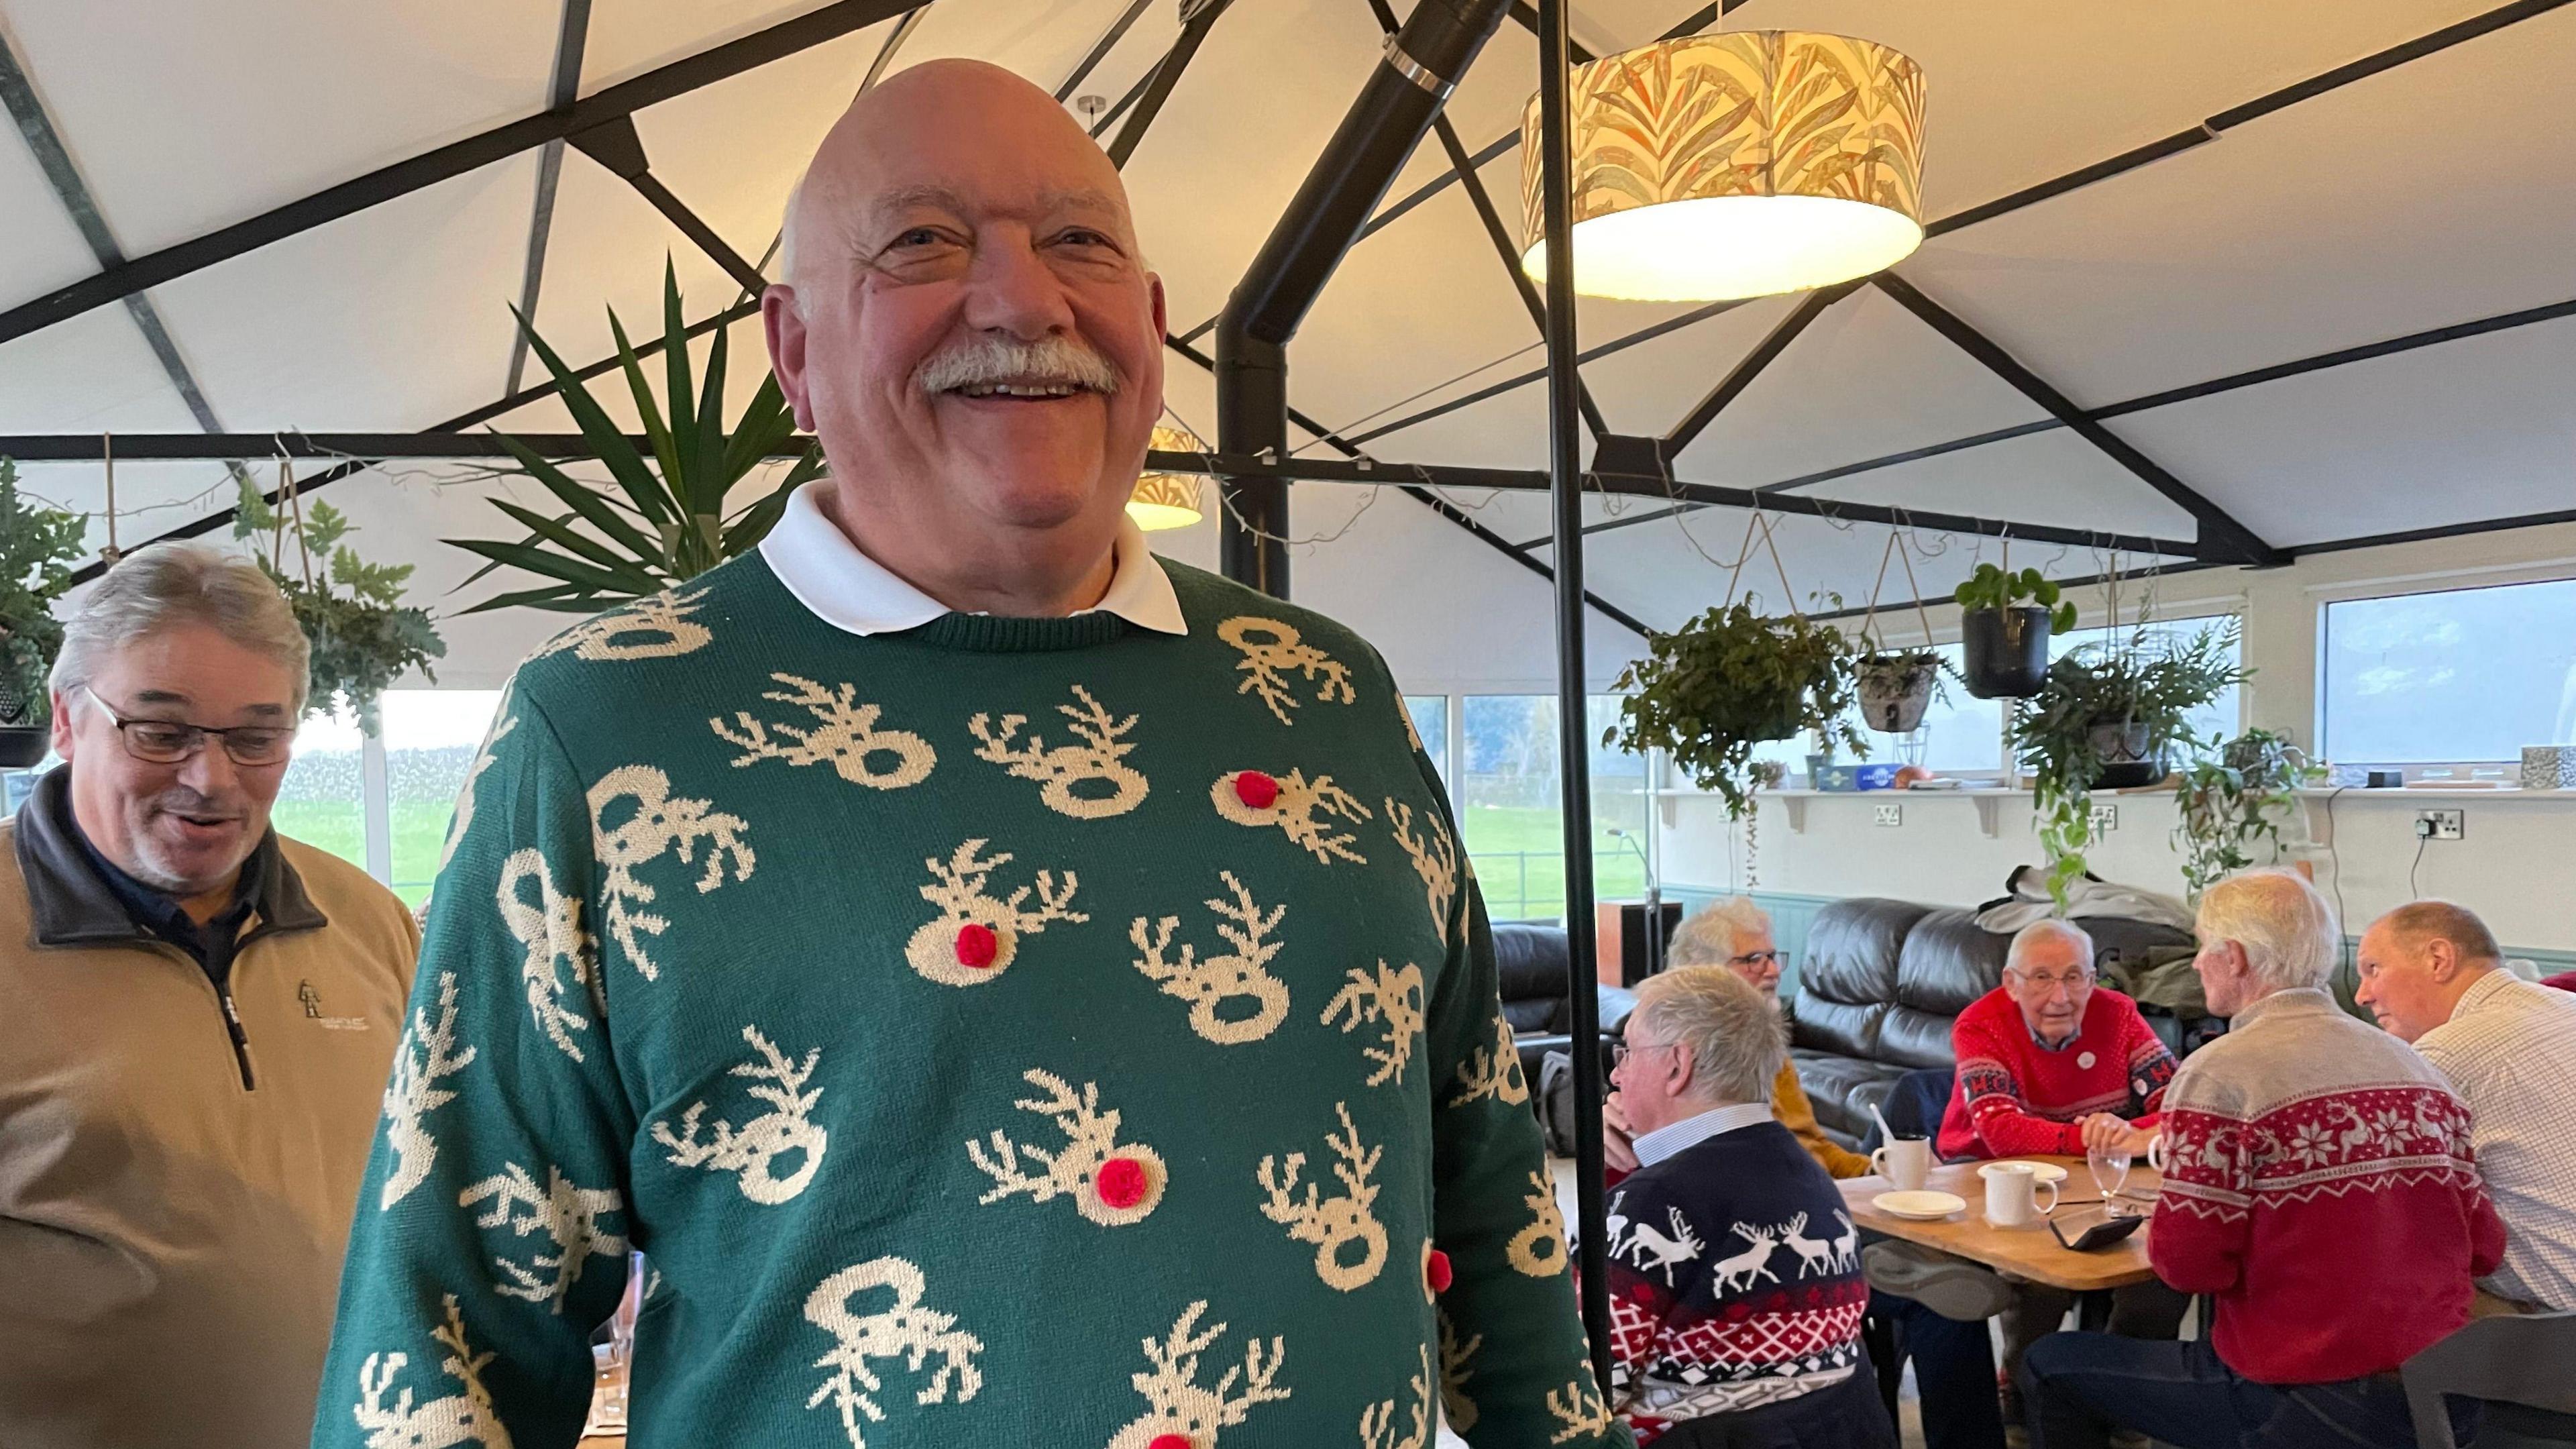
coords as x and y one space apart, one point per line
2101 1235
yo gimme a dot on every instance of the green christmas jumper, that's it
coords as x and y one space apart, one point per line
1001 1031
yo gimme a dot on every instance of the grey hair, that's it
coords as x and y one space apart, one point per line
1710 936
2286 928
2043 929
171 584
1735 1040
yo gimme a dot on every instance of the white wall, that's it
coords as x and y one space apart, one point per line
2515 865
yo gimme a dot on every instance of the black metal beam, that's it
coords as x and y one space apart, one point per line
893 42
1527 19
1573 685
571 38
1494 232
1100 50
1749 367
616 145
1194 30
2223 536
447 162
18 96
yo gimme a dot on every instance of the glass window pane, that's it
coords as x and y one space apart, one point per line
322 799
1618 805
1512 815
1430 716
431 736
2399 671
2220 719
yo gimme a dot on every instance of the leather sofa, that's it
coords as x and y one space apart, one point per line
1529 961
1881 984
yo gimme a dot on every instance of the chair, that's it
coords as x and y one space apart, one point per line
1915 1106
2519 1365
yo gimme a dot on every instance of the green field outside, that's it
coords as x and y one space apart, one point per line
1520 862
420 829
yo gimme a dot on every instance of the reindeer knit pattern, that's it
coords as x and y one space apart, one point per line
1001 1031
2320 1186
1734 1280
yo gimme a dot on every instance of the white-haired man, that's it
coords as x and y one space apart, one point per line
1736 934
1735 1286
2433 975
958 946
2318 1184
200 1017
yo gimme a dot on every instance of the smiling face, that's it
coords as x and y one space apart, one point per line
971 330
183 828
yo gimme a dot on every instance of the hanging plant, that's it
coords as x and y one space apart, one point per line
1896 686
2108 716
665 521
2233 804
2004 642
37 547
1710 691
363 635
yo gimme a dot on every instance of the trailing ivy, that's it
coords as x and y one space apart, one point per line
1710 691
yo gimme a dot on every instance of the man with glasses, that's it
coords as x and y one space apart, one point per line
1736 934
200 1020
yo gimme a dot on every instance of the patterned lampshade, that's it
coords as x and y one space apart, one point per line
1167 500
1737 165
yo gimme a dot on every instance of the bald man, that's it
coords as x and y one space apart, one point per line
1014 989
2433 975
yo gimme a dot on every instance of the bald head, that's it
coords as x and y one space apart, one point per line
888 125
967 325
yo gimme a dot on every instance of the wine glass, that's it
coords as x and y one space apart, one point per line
2109 1164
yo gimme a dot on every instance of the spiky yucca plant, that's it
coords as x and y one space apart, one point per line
666 520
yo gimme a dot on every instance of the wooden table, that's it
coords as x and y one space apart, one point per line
2030 1253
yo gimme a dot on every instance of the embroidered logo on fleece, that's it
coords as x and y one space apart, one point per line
312 1000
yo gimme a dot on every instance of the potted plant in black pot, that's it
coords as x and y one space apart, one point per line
37 546
1896 686
1710 691
2004 641
2107 717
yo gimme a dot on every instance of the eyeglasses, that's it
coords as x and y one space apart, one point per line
172 742
1619 1049
2044 984
1755 958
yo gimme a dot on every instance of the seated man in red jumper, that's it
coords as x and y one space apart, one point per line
2319 1184
2049 1064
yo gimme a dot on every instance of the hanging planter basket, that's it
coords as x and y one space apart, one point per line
1895 689
2128 754
2005 651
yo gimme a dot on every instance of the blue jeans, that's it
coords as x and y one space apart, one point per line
2077 1387
1954 1370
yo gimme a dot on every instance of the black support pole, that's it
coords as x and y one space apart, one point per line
1422 65
1573 722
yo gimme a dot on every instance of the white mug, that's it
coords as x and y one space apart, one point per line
1905 1161
2012 1190
2156 1152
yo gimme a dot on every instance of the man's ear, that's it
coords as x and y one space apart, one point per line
2441 960
1162 316
784 329
62 724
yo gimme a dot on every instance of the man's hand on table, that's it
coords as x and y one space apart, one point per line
2102 1130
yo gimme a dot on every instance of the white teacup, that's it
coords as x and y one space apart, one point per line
2012 1194
1904 1161
2156 1153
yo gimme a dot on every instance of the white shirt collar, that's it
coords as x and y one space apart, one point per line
1671 1139
845 588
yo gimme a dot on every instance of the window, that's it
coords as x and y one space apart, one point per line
430 740
2219 720
322 801
1430 716
2463 675
1512 814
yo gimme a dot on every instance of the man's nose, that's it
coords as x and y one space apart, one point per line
209 771
1011 289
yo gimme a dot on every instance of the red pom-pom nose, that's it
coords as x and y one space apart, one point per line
1121 1182
977 945
1437 1272
1170 1441
1256 789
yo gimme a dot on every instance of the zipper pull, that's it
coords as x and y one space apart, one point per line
240 1038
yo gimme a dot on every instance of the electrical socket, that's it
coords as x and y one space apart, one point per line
1888 814
2439 824
2106 818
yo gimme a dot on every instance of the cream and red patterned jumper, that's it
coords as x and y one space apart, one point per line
998 1031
